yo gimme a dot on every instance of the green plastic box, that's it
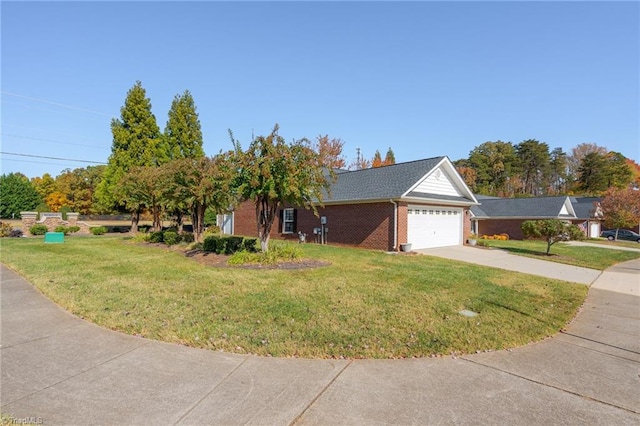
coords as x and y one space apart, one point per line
54 237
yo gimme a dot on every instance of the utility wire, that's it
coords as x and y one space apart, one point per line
52 158
50 140
44 101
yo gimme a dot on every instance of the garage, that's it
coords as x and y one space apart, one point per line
431 226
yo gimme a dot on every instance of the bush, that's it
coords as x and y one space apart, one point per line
156 237
171 238
250 245
277 251
98 230
212 230
38 229
210 243
16 233
141 237
73 229
187 237
61 228
233 244
285 251
5 229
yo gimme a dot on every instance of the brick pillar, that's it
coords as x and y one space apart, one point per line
28 220
72 218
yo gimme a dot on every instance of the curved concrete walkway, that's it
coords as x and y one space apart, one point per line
58 369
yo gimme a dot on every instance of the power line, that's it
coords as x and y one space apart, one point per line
44 101
52 158
50 140
15 160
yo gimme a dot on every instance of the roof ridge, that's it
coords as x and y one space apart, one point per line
395 164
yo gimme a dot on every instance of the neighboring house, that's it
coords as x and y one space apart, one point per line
425 203
506 215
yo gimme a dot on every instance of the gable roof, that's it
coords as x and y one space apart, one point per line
584 207
396 181
538 207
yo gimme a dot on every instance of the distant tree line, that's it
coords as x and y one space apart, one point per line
530 169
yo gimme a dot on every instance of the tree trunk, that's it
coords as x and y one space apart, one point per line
180 221
265 215
197 219
157 223
135 219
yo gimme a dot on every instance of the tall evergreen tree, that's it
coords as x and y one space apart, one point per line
182 134
533 159
557 182
390 158
495 164
377 160
136 143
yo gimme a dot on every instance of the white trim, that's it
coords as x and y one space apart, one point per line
453 175
285 221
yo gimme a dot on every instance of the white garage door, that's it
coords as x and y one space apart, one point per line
430 226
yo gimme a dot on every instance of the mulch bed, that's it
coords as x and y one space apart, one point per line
220 261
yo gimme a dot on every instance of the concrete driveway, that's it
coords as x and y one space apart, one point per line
59 369
505 260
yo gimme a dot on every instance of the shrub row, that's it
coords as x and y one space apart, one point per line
229 244
98 230
170 237
67 229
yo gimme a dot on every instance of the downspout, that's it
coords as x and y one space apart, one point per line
395 224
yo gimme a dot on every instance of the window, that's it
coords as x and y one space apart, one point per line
288 221
424 212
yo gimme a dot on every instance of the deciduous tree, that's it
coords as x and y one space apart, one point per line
56 200
193 185
621 208
552 231
272 173
45 185
330 151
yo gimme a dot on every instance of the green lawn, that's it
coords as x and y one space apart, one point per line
366 304
619 243
587 257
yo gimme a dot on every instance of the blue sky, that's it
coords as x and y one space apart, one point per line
424 78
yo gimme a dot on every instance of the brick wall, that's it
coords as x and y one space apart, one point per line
499 226
361 225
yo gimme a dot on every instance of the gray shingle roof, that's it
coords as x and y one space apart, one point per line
583 206
539 207
381 183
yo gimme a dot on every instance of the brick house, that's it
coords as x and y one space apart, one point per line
425 203
505 215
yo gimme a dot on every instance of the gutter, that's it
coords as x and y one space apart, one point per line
395 224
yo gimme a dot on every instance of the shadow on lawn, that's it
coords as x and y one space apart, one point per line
517 250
